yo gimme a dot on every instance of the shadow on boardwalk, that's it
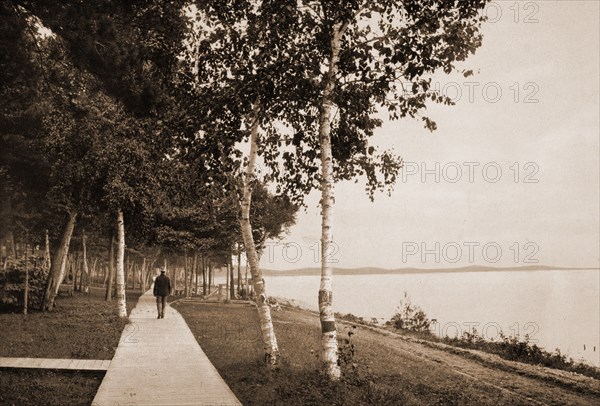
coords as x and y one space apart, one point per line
159 362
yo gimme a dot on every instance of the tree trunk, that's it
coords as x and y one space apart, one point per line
126 271
143 276
210 275
73 270
26 293
231 278
264 311
174 278
13 245
204 291
104 275
227 283
59 265
47 260
120 269
194 274
239 270
111 269
329 345
246 281
186 267
121 301
93 272
132 269
86 270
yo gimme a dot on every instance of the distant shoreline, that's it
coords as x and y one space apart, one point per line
405 271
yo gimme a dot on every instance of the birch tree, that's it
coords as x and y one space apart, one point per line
86 269
121 299
59 264
374 55
242 60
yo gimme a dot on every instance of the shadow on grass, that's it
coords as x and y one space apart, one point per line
253 384
43 387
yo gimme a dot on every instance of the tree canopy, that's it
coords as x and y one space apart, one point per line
160 111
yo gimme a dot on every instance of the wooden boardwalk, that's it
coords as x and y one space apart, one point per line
159 362
56 363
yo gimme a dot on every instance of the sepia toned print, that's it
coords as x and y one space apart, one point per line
367 202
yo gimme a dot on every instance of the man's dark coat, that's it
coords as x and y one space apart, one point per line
162 285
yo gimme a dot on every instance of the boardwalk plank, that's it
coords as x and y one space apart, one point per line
54 363
159 362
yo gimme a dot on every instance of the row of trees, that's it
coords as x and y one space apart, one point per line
158 112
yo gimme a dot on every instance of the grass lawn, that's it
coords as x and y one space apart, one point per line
82 326
230 337
39 387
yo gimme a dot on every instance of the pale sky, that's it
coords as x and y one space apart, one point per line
544 138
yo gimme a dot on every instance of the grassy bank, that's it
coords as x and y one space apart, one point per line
82 326
383 370
507 347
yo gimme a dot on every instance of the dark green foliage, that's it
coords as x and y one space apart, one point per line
12 286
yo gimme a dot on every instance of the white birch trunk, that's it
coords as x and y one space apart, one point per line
185 276
59 265
86 270
111 269
264 311
121 303
143 276
227 283
329 344
47 260
94 271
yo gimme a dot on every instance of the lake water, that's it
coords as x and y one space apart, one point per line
558 309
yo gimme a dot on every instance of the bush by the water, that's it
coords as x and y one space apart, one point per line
12 286
410 317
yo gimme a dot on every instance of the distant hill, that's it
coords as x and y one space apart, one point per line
383 271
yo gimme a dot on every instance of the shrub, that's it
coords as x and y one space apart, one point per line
511 348
410 317
351 318
12 286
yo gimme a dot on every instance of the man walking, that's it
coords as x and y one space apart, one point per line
162 289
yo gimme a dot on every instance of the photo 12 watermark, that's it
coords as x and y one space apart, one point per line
469 251
472 91
292 252
489 331
517 12
470 172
